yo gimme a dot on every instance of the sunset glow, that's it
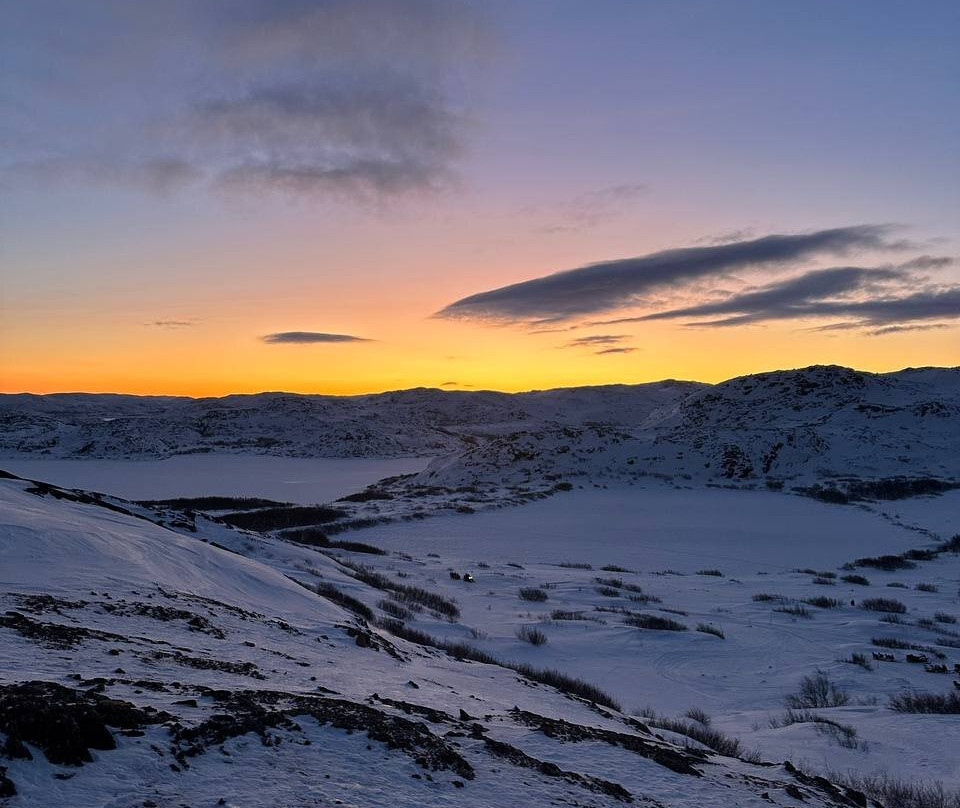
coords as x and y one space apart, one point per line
158 224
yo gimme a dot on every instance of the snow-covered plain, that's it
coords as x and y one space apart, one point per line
286 479
655 527
275 696
763 544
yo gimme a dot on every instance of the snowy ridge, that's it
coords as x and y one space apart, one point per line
165 662
799 426
420 422
793 425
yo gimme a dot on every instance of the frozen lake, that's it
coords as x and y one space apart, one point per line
290 479
657 528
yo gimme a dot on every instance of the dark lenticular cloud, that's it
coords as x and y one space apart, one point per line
596 339
308 338
781 300
615 351
827 294
616 284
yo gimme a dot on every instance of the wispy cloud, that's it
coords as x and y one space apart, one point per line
298 98
880 300
172 323
897 329
782 299
308 338
612 285
596 339
592 208
615 351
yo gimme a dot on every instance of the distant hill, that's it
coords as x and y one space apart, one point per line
805 426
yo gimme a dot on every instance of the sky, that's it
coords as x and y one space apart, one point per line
200 197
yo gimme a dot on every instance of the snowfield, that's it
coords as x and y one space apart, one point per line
287 479
657 527
123 686
669 595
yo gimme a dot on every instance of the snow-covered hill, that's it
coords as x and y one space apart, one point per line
152 660
419 422
810 424
818 423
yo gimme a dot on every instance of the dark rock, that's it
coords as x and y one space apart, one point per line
65 724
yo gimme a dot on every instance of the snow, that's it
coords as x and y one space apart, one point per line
655 528
660 483
286 479
109 563
87 547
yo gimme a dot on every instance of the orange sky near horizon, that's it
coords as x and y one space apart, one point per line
222 356
179 182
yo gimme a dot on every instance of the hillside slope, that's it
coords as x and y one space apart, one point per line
147 665
420 422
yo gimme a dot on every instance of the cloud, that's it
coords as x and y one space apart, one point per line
156 174
308 338
593 208
172 323
883 307
376 132
304 99
612 285
897 329
615 351
740 234
782 299
596 339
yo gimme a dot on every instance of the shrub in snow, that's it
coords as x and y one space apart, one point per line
816 691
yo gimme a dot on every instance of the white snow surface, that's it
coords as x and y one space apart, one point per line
286 479
641 504
257 637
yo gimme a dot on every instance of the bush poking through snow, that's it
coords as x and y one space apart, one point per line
654 622
823 602
896 793
561 614
923 702
859 580
843 734
405 593
545 676
394 609
816 691
859 659
708 628
887 563
714 573
531 635
796 610
699 731
922 587
901 645
532 593
890 605
330 592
